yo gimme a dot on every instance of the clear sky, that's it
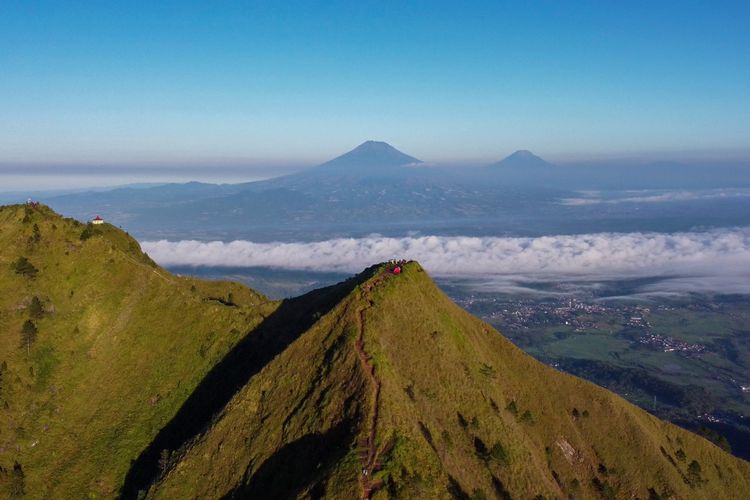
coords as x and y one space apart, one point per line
235 83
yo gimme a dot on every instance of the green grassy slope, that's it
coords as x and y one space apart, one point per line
290 429
120 345
431 402
118 378
285 361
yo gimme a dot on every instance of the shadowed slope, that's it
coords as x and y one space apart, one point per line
293 468
314 388
272 336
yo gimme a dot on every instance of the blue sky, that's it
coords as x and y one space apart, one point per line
279 83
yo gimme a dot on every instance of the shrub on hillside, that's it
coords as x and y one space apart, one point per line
24 267
694 473
498 453
88 232
604 489
478 494
36 309
487 370
445 435
512 407
474 423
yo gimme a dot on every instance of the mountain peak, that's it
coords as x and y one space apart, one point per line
374 146
397 392
523 153
372 154
522 158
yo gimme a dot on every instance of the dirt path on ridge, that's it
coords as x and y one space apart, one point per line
370 455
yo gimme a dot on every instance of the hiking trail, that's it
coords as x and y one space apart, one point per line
370 457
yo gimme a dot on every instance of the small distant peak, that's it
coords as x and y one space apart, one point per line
522 158
524 153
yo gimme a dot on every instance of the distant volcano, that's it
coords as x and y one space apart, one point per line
371 154
522 159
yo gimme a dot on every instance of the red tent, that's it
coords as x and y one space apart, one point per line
397 270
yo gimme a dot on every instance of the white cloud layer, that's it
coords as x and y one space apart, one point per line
707 259
593 198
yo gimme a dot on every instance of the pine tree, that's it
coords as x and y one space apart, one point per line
28 334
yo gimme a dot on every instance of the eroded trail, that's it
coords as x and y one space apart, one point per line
370 456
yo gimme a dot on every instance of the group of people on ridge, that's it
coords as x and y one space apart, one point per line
398 265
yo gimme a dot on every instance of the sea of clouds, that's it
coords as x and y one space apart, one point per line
707 261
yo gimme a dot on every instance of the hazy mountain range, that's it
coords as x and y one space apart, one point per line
375 187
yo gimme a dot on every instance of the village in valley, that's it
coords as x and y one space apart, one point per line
572 315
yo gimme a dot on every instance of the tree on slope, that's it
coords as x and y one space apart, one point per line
28 334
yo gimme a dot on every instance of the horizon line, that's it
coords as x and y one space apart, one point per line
229 163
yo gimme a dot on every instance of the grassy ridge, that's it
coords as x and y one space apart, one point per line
461 413
453 382
120 345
